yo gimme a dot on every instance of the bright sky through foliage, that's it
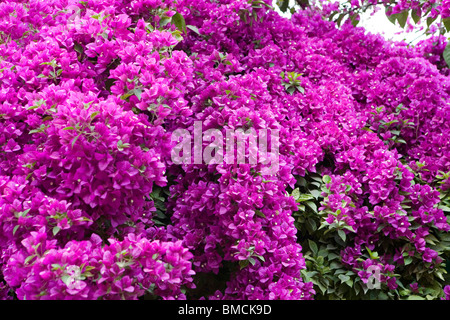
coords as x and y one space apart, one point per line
379 24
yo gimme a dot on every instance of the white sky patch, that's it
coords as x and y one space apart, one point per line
378 23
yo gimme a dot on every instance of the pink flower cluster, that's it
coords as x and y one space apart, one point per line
87 270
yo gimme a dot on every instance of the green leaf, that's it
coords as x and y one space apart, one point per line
69 128
430 21
342 234
179 22
138 93
283 4
414 297
126 95
66 279
78 47
415 15
55 230
74 140
15 229
243 263
56 266
120 145
260 214
28 259
402 17
301 89
339 19
343 278
193 28
312 205
326 179
296 194
164 21
290 90
446 54
304 197
446 22
373 255
311 225
391 17
313 247
261 258
315 193
94 114
355 19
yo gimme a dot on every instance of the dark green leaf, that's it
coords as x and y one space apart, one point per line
446 22
391 17
446 54
355 20
243 263
313 247
311 224
339 19
415 15
402 17
260 214
78 48
283 4
179 22
430 21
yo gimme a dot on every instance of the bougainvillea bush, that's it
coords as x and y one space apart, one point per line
93 207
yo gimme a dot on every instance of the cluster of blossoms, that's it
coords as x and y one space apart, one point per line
92 206
87 270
